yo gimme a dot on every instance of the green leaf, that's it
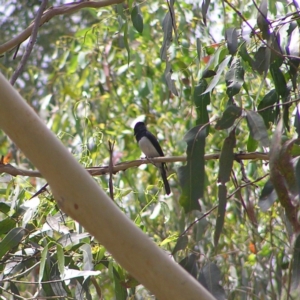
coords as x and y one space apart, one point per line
268 114
279 81
181 244
286 167
296 263
201 101
120 291
226 158
231 113
14 289
252 144
208 73
60 259
262 21
261 61
234 77
6 225
257 128
245 55
216 78
4 207
189 263
137 19
11 240
191 176
168 30
276 143
268 196
210 277
43 263
297 172
297 121
232 40
204 8
169 80
198 44
126 41
222 196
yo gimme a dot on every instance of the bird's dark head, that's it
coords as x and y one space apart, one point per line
138 127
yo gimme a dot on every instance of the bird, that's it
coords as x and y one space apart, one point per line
151 148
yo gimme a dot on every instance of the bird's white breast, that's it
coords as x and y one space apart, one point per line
147 147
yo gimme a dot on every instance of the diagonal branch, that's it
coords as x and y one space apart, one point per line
67 8
32 40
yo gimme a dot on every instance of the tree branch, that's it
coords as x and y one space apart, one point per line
68 8
31 43
123 166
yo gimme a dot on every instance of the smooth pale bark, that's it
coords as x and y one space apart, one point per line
78 195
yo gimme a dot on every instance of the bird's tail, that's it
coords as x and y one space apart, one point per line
165 180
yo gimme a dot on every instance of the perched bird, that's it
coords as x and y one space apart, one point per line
151 148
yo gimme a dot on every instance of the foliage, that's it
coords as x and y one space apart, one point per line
220 86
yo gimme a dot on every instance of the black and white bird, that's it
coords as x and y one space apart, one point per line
151 148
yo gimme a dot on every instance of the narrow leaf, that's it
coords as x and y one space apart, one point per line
279 81
126 41
276 144
262 21
11 240
14 289
189 263
87 257
222 193
232 40
231 113
167 29
6 225
268 196
169 80
204 8
192 175
60 259
297 121
296 264
210 277
226 158
265 108
286 167
216 78
43 263
201 101
245 55
297 171
261 61
198 44
181 244
119 290
137 19
257 128
234 77
293 46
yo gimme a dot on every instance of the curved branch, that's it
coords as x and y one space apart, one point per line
67 8
123 166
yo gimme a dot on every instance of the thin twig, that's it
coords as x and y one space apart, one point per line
31 42
67 8
279 104
110 168
197 220
257 35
